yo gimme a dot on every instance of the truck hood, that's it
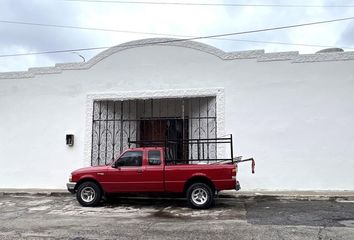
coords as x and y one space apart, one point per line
91 169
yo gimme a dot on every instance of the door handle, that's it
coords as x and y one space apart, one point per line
140 171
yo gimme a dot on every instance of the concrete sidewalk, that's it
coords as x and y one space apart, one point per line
286 195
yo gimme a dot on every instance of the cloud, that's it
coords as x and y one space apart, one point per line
23 38
180 20
347 36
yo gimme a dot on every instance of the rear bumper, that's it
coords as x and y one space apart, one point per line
71 187
237 186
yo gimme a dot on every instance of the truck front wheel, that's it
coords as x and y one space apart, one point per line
88 194
200 196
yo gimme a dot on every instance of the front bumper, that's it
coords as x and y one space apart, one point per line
71 187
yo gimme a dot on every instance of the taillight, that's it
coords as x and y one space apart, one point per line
233 173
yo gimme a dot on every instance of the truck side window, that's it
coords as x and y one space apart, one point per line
154 157
130 159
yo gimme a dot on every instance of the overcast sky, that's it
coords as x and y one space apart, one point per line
164 19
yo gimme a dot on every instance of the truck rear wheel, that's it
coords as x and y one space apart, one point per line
88 194
200 196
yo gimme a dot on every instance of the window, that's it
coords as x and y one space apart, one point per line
130 159
154 157
155 119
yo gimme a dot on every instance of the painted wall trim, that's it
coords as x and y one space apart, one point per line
219 93
258 55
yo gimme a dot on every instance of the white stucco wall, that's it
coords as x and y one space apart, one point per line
292 113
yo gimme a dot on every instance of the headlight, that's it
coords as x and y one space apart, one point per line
70 178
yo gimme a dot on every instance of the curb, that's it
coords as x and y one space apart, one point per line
30 193
309 196
289 198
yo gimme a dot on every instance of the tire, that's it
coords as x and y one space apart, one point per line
89 194
200 196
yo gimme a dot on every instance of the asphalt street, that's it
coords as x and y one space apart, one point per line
61 217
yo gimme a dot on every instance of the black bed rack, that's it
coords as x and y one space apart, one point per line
182 151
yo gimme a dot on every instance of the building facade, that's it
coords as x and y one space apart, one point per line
293 113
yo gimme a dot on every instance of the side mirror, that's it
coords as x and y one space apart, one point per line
117 164
114 164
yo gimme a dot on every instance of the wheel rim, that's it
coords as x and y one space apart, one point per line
88 194
199 196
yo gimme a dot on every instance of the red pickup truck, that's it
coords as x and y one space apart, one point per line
145 170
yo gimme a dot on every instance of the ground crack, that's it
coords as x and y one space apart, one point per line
143 234
319 234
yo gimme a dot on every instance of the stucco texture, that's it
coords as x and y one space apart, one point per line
292 113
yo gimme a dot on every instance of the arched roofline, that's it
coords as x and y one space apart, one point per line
259 55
